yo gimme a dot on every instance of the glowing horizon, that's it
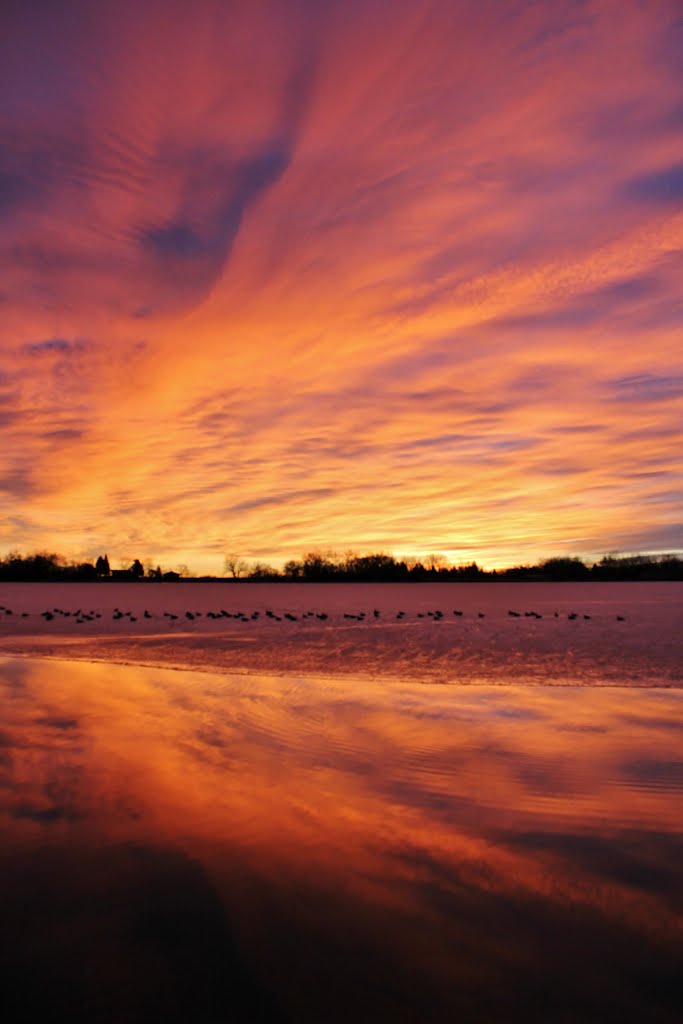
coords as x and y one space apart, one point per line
286 277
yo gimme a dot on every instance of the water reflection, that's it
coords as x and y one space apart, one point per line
184 846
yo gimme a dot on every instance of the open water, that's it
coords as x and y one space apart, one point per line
206 846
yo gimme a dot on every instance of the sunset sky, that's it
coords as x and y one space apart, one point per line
378 275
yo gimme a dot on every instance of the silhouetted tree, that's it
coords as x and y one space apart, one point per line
319 566
373 567
469 572
564 569
235 566
137 569
262 571
638 567
435 562
102 566
517 572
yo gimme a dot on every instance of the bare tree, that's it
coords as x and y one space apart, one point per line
435 561
235 566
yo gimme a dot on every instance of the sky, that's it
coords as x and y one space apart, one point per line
391 275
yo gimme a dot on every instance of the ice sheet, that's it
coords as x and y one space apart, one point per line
627 634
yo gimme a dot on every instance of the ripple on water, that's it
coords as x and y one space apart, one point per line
455 844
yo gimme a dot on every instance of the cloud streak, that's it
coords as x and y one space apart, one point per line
356 275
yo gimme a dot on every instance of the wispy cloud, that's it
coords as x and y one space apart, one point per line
340 274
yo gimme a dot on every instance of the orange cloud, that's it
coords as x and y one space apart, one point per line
346 277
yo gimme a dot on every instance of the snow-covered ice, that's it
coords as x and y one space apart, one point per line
579 633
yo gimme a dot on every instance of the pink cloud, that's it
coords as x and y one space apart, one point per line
349 275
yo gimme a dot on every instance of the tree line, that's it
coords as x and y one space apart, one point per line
50 567
327 567
319 567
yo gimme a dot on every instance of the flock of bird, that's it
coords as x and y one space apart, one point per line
79 616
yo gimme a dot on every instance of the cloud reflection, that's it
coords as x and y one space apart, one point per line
268 840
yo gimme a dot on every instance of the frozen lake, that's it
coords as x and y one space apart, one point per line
579 633
195 846
341 802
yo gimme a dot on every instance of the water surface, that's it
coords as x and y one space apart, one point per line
196 846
